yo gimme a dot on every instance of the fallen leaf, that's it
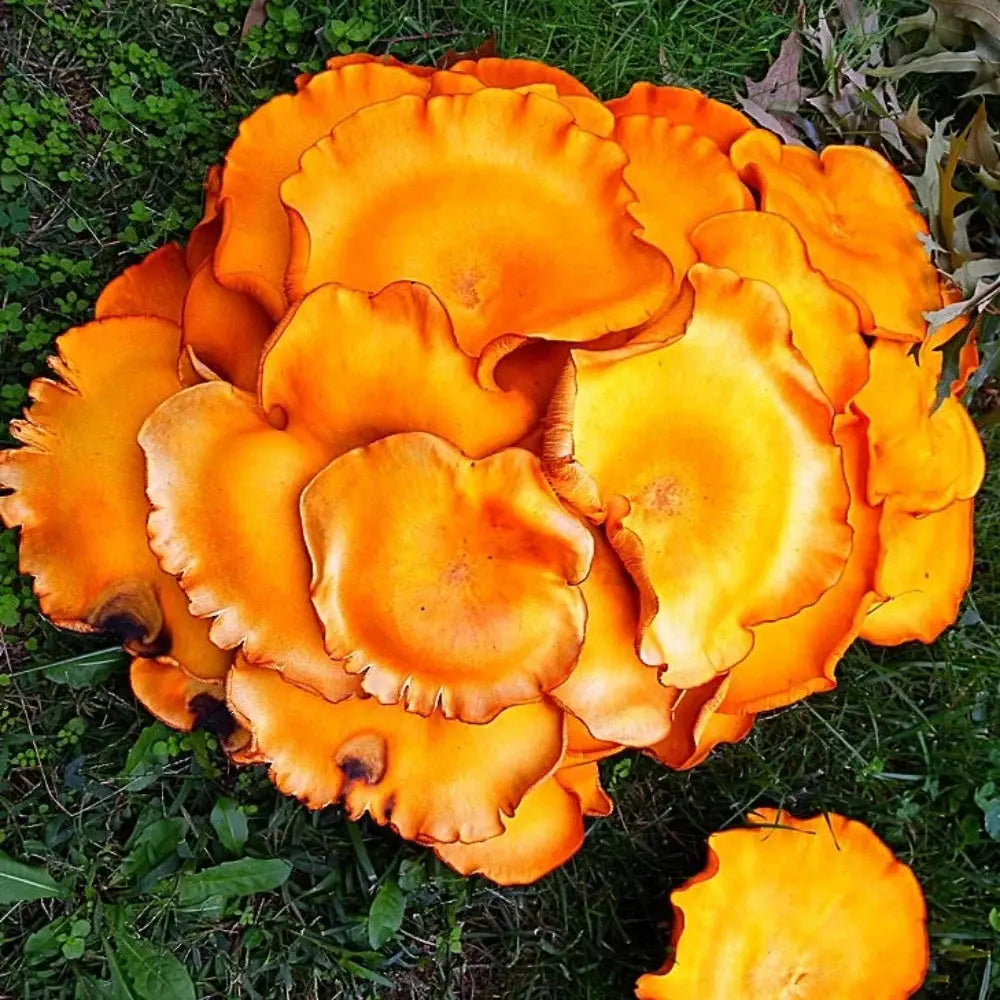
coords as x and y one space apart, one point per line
950 197
486 49
764 117
927 185
255 17
780 87
912 125
984 13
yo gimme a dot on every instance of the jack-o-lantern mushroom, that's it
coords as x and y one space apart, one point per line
824 910
482 429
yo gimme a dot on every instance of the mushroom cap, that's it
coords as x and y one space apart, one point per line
449 583
698 726
680 179
252 254
231 535
513 73
826 326
155 287
923 454
798 656
684 106
545 831
401 341
482 193
721 530
924 570
611 691
225 329
80 467
856 216
827 911
431 779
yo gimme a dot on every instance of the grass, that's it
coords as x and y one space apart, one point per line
110 110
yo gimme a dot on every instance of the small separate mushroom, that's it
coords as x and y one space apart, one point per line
795 909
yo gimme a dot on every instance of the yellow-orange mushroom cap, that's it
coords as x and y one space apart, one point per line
253 249
856 216
81 467
226 329
697 726
724 491
449 583
231 533
582 747
475 195
680 179
925 566
433 779
826 910
338 344
545 831
513 73
826 326
797 656
204 237
922 454
156 287
611 691
171 695
683 106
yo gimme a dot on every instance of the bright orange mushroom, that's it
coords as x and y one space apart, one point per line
448 583
824 910
923 454
253 249
489 429
925 566
521 198
700 516
856 216
156 286
544 832
611 691
681 179
432 779
683 106
401 340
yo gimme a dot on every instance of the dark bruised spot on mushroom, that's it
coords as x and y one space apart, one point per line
389 807
132 614
211 714
362 758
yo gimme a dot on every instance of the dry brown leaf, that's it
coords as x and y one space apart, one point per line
780 88
255 17
984 13
912 125
950 196
981 147
484 50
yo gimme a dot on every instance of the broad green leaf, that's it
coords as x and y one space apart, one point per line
230 824
88 669
385 916
151 844
234 878
412 874
141 755
121 988
44 943
155 973
21 883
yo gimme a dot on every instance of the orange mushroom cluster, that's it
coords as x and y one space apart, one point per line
482 429
830 912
